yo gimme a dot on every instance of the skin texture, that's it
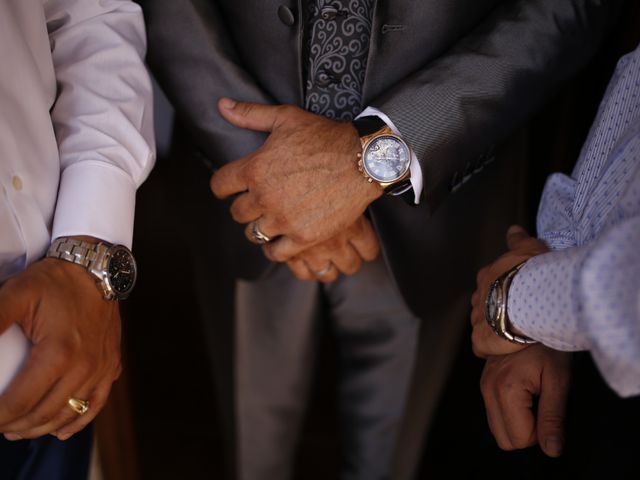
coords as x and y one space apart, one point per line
302 186
521 247
76 349
509 384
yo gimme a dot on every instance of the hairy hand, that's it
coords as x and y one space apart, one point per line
302 186
521 248
509 384
76 349
344 253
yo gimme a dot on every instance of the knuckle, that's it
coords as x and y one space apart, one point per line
16 407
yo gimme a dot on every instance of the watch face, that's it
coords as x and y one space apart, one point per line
386 158
121 271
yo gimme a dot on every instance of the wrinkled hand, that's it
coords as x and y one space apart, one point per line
509 384
521 248
343 253
302 185
76 349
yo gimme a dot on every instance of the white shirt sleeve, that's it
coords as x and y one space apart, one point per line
416 171
103 115
587 298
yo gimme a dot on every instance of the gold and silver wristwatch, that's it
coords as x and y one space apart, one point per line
385 157
113 266
496 308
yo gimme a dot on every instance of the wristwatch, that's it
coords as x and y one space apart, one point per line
113 265
496 308
385 157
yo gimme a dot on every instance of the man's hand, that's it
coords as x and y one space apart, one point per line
344 253
521 248
303 185
509 384
76 349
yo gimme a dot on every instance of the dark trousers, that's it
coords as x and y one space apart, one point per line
46 458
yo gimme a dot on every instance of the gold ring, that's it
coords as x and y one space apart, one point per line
324 271
79 406
257 234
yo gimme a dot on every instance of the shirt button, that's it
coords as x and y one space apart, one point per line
16 181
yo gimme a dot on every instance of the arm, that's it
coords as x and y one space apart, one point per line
460 105
595 289
194 78
103 123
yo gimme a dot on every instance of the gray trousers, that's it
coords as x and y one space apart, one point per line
277 328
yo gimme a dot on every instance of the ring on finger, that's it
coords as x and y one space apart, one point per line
79 406
324 271
258 235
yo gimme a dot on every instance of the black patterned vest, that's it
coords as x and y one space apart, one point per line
337 37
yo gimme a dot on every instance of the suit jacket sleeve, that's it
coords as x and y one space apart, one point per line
194 60
458 106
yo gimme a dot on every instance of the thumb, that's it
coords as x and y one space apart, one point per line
551 412
515 235
252 116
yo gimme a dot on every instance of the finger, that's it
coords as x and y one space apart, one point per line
244 208
474 298
551 412
477 316
515 402
252 116
366 243
97 401
43 369
42 418
515 235
493 410
300 270
230 179
264 226
347 260
283 249
327 275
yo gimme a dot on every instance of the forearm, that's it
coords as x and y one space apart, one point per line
457 107
102 116
587 298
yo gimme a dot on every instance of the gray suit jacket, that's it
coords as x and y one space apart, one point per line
456 76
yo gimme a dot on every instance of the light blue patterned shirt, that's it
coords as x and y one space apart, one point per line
585 294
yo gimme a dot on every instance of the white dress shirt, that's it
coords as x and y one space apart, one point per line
76 130
585 294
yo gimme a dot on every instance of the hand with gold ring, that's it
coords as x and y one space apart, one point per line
343 254
75 353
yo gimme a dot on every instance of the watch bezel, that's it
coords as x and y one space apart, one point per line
367 146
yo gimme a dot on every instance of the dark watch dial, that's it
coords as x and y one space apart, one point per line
386 158
121 271
491 308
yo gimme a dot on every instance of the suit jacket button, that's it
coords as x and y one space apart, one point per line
286 15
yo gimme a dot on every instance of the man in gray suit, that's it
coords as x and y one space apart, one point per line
435 85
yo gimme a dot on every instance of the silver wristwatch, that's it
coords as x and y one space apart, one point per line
113 265
496 308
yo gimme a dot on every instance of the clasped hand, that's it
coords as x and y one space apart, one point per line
302 187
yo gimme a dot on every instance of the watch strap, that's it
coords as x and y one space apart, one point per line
74 251
368 125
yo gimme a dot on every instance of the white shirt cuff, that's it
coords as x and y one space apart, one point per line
416 171
96 199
